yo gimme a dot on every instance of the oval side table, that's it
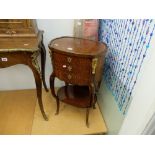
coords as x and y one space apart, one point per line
79 63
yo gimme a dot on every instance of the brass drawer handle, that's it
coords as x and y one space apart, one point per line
69 76
69 68
69 59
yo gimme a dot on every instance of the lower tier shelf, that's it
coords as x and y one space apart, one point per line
75 95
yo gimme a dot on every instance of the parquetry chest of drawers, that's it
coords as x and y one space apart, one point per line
20 43
79 63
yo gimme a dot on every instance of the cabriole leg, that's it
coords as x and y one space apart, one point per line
43 62
52 78
36 72
87 117
58 105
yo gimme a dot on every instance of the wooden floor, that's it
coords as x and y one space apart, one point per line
20 114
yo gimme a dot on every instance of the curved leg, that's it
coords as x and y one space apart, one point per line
92 99
66 93
93 95
58 105
94 107
52 78
43 61
92 90
87 117
87 110
36 72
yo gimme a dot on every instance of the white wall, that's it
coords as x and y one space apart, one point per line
20 76
143 104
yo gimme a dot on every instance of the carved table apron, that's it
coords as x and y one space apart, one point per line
27 56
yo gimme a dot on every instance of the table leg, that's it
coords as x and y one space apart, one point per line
87 117
92 100
36 72
52 78
92 95
43 61
58 105
66 93
94 107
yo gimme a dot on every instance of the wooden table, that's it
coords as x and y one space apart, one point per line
79 63
25 50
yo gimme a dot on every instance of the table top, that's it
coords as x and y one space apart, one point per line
13 44
78 46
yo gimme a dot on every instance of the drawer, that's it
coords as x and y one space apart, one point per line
72 69
11 58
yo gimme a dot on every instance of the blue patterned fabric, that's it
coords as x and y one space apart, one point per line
128 41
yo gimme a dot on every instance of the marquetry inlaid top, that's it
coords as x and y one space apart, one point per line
78 46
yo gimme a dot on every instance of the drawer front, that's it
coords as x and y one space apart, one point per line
8 59
72 69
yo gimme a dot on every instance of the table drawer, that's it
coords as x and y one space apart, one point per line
72 69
